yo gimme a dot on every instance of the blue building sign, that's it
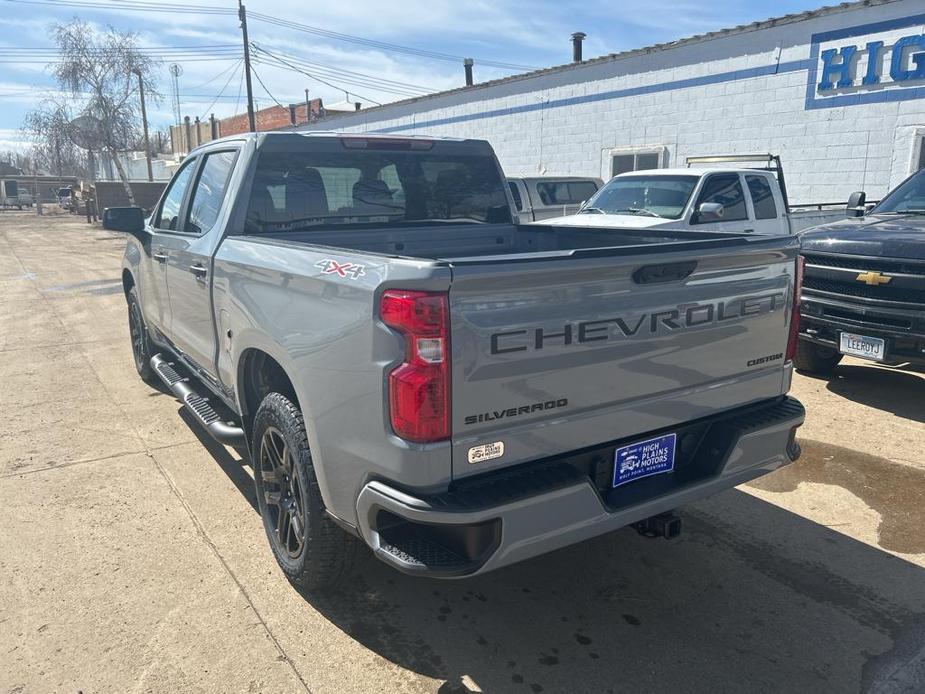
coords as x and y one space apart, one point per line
871 63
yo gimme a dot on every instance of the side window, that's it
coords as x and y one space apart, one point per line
565 192
168 216
762 197
515 193
726 189
210 191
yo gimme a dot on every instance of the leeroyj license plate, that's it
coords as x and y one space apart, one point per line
644 458
862 346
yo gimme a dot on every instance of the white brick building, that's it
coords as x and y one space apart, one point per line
838 92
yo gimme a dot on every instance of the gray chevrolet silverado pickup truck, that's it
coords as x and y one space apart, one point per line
408 367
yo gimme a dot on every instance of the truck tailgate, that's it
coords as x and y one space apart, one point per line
556 355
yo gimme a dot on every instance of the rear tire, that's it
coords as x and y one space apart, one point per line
138 333
815 359
312 550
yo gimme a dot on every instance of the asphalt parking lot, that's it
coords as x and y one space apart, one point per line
132 557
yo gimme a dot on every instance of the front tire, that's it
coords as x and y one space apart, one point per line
815 359
138 333
309 547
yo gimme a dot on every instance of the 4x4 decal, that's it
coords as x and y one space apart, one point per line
351 270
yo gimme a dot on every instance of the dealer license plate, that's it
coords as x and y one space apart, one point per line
644 458
862 346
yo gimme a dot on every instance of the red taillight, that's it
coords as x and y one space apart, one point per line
419 388
795 312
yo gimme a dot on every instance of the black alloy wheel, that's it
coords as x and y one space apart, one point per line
283 494
138 334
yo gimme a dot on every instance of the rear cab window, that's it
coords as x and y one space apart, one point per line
762 197
339 182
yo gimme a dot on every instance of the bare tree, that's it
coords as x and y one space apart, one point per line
100 72
52 149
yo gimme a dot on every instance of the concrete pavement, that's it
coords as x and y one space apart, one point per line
132 557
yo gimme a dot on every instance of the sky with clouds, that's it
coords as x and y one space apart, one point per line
531 33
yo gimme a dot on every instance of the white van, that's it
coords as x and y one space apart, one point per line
9 194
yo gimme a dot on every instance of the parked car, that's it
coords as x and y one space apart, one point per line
409 367
25 198
864 291
546 197
9 194
66 198
739 201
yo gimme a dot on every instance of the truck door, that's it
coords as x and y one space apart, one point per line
768 211
189 264
725 189
155 303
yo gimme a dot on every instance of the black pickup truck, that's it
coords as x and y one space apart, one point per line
864 284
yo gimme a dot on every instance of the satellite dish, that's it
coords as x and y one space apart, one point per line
87 132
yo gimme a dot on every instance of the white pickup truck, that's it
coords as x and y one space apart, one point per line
725 200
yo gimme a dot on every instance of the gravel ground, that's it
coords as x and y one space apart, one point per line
132 557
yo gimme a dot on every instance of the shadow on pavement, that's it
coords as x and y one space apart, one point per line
750 598
774 603
901 392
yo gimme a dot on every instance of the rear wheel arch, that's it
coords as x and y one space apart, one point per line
258 375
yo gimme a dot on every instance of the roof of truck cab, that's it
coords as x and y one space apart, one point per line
693 171
302 134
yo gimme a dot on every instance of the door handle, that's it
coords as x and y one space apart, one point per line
198 270
159 255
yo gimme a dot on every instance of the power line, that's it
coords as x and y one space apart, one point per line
237 103
219 75
393 47
172 8
143 49
325 75
267 90
221 91
351 74
119 5
314 77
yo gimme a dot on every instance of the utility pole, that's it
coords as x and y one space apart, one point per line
242 15
144 124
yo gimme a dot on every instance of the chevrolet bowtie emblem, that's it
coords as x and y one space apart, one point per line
873 278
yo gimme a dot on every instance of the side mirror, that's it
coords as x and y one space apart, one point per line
856 204
710 212
130 220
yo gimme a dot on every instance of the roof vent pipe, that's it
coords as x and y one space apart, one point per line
467 65
577 38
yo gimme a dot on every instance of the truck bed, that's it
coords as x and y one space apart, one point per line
456 242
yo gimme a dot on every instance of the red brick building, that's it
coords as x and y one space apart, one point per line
272 118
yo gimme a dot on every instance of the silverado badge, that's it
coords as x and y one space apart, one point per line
873 278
